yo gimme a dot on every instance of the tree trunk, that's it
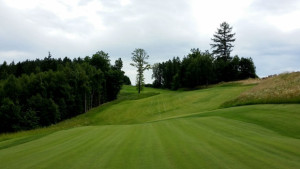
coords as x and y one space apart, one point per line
139 86
92 100
99 99
85 102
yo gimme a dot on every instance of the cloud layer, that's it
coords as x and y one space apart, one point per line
266 30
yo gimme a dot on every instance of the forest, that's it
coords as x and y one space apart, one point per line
200 69
37 93
204 68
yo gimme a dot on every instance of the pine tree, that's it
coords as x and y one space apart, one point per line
223 39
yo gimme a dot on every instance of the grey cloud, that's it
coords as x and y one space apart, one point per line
27 35
163 28
273 51
48 20
111 3
15 32
84 2
275 6
149 23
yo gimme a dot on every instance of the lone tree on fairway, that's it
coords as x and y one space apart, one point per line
223 39
138 57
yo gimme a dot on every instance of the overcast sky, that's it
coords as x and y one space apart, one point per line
266 30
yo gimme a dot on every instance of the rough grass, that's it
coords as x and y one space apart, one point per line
164 129
284 88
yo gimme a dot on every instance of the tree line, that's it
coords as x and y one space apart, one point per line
38 92
200 68
204 68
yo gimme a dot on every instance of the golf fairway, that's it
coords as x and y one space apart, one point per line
168 130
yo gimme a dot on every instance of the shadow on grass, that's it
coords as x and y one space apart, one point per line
22 140
124 96
222 84
278 119
13 139
237 102
135 96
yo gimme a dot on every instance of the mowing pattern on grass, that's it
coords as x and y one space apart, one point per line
284 88
198 142
165 105
174 130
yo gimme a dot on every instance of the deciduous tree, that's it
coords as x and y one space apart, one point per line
139 57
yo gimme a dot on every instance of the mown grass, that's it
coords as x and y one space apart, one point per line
127 93
198 142
164 129
281 118
164 105
284 88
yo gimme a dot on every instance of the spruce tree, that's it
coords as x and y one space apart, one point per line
223 39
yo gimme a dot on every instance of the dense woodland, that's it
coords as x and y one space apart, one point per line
200 68
204 68
38 93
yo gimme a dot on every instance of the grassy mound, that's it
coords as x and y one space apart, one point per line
284 88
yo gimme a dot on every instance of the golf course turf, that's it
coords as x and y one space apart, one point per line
164 129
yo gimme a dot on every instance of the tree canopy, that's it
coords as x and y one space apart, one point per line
223 40
43 92
139 57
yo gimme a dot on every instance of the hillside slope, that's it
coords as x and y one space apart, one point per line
283 88
164 105
164 129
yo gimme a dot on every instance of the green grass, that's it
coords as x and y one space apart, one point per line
164 105
164 129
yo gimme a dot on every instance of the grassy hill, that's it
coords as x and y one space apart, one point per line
165 129
284 88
